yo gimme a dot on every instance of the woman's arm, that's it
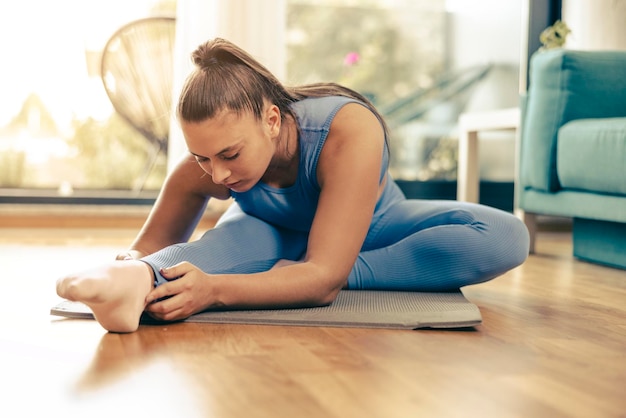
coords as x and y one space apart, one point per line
178 208
349 174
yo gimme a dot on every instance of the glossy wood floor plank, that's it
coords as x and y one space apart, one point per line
552 344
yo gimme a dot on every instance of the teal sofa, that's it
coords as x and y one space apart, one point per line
573 149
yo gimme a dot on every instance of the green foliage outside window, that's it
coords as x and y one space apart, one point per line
112 154
364 48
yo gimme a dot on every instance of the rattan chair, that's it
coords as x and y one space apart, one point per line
136 70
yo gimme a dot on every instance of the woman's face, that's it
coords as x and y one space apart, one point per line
235 150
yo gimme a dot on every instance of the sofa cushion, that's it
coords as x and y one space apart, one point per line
591 155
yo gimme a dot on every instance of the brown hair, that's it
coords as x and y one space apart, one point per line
227 77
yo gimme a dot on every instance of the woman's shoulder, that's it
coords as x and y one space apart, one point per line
318 112
322 102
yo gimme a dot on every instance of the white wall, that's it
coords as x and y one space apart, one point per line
595 24
490 31
485 30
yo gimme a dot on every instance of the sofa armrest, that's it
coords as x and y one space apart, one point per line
566 85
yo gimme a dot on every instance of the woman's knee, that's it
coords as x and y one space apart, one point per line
519 242
505 244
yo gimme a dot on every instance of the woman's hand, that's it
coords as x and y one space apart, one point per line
130 255
187 292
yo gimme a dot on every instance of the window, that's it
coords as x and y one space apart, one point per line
420 61
390 50
386 49
58 129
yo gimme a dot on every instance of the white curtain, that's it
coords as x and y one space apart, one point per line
256 26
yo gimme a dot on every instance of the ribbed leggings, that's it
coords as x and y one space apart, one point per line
416 245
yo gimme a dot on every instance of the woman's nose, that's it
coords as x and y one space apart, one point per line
219 173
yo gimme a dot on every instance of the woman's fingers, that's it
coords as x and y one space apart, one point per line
171 309
178 270
174 286
175 315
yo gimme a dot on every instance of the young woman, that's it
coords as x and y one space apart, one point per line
314 209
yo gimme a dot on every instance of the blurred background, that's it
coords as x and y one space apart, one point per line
71 130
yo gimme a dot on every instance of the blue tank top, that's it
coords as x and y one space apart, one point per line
294 207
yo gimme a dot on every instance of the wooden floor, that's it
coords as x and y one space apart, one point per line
552 344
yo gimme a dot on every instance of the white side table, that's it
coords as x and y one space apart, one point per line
468 179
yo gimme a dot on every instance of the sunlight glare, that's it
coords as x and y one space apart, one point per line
46 53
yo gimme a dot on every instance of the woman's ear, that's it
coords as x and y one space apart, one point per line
273 120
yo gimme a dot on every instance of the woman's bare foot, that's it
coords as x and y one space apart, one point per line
115 292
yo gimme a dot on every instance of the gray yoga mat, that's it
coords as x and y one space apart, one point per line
351 308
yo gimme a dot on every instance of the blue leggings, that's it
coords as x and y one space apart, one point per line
415 245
